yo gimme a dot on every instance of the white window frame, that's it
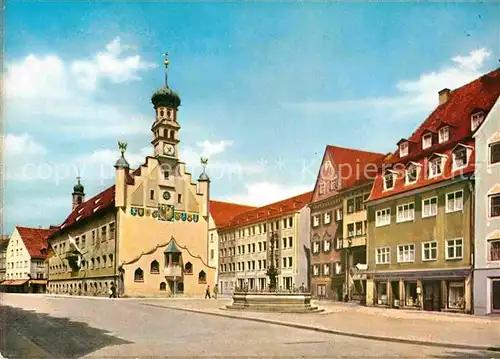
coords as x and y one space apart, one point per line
403 251
441 166
353 232
393 181
447 242
403 149
327 243
476 119
338 214
430 213
444 134
411 212
432 245
385 253
316 271
315 220
454 163
490 206
455 207
407 171
424 138
327 217
387 217
327 267
488 254
490 146
316 247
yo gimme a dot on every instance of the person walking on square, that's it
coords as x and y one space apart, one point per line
112 291
216 291
207 292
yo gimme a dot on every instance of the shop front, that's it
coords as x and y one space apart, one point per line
16 286
440 290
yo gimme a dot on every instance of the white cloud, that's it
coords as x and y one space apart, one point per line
108 65
62 96
26 210
212 148
262 193
415 96
24 144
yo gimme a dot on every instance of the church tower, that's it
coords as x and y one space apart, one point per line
78 194
165 127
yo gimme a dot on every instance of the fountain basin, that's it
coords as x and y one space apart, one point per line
273 302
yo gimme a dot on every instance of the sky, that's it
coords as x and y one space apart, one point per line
264 88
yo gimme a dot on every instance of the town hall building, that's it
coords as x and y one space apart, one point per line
145 235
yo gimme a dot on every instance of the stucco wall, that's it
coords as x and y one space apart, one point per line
17 253
438 228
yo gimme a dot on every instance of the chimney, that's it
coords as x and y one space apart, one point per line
444 95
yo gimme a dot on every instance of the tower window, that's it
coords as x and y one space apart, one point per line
152 194
179 198
166 174
79 200
162 113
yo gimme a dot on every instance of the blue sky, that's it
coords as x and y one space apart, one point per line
264 88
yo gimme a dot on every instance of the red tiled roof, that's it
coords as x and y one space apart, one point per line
98 203
35 240
481 94
222 212
352 168
270 211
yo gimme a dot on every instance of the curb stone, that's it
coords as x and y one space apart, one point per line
338 332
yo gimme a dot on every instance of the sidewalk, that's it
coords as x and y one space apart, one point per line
423 328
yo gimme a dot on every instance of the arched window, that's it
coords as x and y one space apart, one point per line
202 277
155 267
163 286
138 275
110 260
188 268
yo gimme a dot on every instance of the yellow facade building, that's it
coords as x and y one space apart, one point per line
147 234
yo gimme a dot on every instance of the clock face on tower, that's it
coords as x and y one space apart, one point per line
168 149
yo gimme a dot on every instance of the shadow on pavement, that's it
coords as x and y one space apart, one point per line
478 354
28 334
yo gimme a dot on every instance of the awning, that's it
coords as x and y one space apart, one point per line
14 282
38 281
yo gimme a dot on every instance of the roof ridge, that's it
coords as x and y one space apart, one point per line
354 149
233 203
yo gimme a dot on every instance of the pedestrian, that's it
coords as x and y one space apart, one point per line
112 291
207 292
216 291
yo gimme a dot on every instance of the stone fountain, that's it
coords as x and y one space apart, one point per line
272 300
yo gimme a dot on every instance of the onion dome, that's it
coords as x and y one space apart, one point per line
165 96
78 188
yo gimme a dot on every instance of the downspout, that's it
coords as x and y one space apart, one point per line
117 230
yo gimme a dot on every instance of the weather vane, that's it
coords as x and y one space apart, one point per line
204 162
122 146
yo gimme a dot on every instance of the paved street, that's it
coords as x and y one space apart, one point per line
49 327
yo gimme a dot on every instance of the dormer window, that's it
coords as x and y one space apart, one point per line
427 141
403 149
476 120
411 174
444 134
461 156
435 166
389 181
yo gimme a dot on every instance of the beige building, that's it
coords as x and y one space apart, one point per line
147 234
25 260
246 250
4 242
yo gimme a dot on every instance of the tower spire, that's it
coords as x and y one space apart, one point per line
166 69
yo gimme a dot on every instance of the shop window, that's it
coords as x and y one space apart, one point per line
382 298
411 295
456 292
138 275
163 286
155 267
